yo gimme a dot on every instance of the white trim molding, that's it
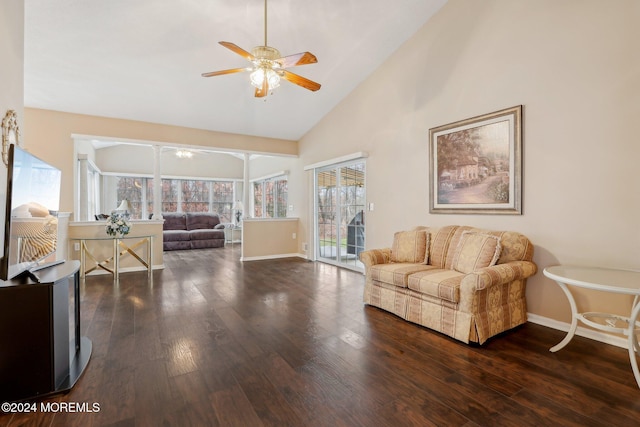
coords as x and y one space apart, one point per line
271 175
348 157
592 334
278 256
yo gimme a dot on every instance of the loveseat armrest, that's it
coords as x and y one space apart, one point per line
500 274
372 257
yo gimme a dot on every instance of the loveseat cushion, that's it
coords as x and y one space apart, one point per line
439 283
410 246
440 242
396 274
201 220
476 250
206 234
175 235
174 221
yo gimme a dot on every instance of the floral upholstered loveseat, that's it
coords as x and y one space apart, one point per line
464 282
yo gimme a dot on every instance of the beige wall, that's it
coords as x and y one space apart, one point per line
575 67
269 238
11 77
138 159
262 166
49 136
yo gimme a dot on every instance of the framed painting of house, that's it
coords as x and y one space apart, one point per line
476 165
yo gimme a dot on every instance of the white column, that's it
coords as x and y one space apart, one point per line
83 173
157 183
245 187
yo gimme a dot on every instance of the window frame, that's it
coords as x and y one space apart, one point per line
271 187
214 205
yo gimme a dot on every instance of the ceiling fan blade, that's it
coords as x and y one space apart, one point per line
302 58
221 72
300 81
237 49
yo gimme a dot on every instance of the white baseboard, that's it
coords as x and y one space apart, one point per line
592 334
260 258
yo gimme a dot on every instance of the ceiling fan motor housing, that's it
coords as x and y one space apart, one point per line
265 52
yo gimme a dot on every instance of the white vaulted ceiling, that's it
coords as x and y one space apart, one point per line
143 59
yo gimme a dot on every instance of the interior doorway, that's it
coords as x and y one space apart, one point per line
340 214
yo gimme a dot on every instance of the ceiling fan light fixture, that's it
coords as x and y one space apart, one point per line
260 74
265 67
184 154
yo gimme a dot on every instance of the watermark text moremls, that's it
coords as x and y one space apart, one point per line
69 407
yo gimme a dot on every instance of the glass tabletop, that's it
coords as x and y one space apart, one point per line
603 279
136 236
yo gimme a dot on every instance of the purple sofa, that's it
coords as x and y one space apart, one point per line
191 230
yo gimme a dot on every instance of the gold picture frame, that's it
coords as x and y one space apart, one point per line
10 134
476 165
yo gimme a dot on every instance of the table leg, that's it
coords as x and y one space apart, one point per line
83 259
633 342
116 259
574 319
149 256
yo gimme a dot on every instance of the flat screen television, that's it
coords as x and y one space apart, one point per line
31 214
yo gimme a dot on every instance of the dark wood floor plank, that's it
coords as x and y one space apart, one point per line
305 398
269 404
588 356
214 341
232 408
193 402
548 409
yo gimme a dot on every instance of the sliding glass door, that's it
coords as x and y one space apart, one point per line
340 223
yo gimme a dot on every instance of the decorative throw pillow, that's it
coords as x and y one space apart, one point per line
475 251
410 246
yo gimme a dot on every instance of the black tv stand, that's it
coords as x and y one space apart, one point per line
42 350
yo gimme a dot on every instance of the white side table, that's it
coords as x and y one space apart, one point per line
626 282
232 234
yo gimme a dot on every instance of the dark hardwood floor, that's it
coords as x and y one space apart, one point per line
213 341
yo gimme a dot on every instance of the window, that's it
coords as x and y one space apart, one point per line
178 195
270 197
130 189
195 196
89 180
170 195
149 203
281 198
222 201
93 191
257 199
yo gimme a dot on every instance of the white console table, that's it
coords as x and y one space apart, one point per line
120 248
616 281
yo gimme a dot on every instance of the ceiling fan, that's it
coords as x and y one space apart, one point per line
268 67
